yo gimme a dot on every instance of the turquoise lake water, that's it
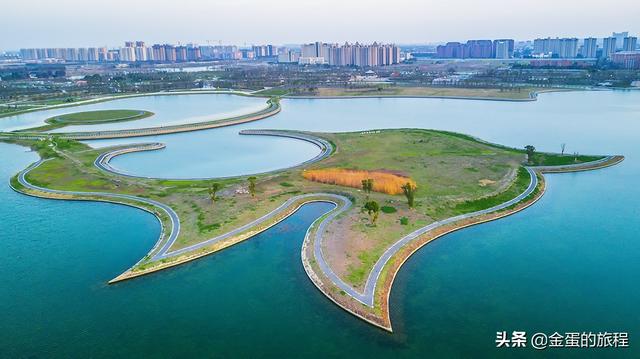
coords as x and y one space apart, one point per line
568 263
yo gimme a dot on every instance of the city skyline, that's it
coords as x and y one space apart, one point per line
222 22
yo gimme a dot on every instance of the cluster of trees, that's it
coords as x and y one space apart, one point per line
373 208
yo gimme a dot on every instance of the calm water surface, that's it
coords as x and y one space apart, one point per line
582 120
168 110
568 263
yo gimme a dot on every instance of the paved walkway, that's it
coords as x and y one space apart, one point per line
569 167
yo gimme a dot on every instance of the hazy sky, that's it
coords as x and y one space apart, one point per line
76 23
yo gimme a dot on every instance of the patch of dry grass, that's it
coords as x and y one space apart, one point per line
383 182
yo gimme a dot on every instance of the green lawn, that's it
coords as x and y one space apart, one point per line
555 159
272 92
98 116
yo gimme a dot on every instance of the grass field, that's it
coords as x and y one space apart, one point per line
554 159
272 92
89 117
454 174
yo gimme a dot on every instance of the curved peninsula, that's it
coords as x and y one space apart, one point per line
393 191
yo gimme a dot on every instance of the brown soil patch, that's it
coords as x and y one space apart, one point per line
485 182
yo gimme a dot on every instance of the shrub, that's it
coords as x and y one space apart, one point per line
404 221
388 209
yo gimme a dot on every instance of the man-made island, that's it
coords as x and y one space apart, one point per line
92 118
393 190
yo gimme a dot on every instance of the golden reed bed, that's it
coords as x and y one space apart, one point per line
383 182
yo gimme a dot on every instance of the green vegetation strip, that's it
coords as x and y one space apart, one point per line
91 118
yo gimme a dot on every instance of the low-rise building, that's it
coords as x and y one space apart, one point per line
627 59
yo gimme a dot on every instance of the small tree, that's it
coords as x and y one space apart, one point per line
367 185
252 186
562 147
531 151
373 209
409 191
213 191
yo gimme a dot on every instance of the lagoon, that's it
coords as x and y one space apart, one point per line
168 109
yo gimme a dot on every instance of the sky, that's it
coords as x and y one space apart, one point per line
81 23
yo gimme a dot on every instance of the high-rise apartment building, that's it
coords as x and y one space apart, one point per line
562 48
451 50
608 46
169 53
501 50
349 55
181 54
510 43
264 50
589 48
478 49
158 53
309 50
619 36
127 53
630 43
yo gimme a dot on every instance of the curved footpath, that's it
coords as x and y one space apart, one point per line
104 159
272 109
579 167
